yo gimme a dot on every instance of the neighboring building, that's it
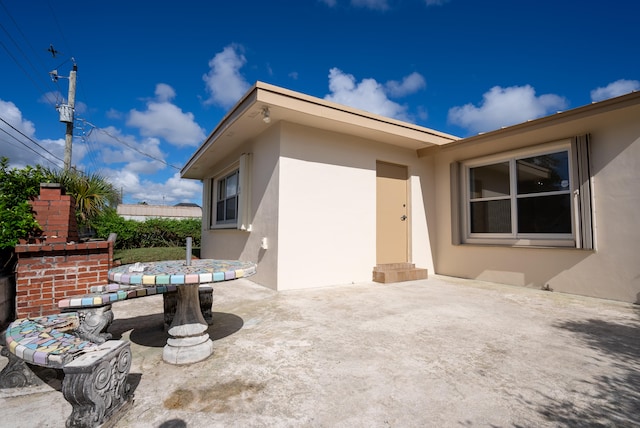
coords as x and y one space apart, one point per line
142 212
318 194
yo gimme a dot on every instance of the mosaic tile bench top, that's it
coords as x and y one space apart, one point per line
176 272
111 295
43 341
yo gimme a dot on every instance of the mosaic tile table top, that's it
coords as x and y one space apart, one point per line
176 272
103 296
43 341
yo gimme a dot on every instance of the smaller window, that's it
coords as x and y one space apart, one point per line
229 204
226 197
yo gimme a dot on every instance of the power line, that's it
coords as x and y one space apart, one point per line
21 51
28 138
68 47
91 149
24 64
15 145
43 67
55 18
129 146
25 72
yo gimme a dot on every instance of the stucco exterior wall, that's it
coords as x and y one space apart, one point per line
610 271
313 198
327 199
246 245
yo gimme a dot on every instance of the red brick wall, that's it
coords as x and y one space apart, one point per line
57 265
47 273
55 213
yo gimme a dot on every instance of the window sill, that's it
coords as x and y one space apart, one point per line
224 226
537 245
228 228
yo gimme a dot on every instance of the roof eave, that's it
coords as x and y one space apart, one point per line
290 106
558 118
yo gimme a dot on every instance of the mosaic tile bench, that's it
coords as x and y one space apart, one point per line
95 314
95 375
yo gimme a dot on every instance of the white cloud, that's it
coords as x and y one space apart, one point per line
111 140
122 179
135 161
171 192
224 82
144 167
182 189
80 107
119 163
114 147
165 120
371 4
371 96
13 116
53 98
614 89
435 2
409 85
330 3
505 106
137 175
164 92
19 143
114 114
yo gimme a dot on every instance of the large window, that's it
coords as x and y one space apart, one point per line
525 198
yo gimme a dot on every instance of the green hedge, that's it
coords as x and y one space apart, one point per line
159 232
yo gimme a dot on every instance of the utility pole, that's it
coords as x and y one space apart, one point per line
66 114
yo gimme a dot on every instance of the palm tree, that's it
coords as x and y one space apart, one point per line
92 192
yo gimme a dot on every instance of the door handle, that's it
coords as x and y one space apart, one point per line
403 218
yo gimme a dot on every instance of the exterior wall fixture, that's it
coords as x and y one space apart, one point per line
266 118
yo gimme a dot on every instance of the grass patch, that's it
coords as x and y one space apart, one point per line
153 254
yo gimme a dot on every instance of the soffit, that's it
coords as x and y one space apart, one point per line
245 123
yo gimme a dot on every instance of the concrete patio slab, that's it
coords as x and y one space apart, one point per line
441 352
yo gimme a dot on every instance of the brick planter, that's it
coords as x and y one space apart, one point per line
47 273
55 265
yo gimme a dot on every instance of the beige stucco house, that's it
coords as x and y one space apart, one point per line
319 194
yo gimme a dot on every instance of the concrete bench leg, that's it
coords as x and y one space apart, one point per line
17 373
170 301
96 385
94 323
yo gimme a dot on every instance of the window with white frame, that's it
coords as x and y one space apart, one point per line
527 197
226 197
230 197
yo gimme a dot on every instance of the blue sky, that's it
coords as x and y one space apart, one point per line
155 78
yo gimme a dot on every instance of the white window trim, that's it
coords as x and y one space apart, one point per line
243 166
513 239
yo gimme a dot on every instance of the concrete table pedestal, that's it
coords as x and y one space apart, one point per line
189 341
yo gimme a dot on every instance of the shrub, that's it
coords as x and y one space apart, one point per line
162 232
17 187
151 233
110 222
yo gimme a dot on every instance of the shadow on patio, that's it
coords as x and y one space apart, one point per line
148 330
615 398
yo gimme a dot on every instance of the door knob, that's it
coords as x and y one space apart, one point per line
403 218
